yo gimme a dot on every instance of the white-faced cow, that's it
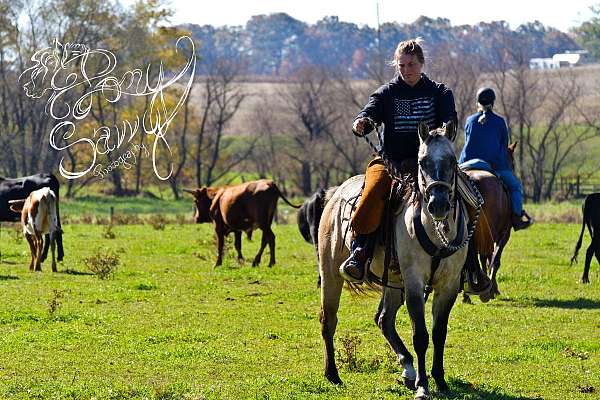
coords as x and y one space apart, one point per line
38 216
591 218
20 188
237 209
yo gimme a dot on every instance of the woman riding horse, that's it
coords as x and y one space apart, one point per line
486 147
409 98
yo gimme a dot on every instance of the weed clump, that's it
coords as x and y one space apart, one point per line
54 303
103 263
158 222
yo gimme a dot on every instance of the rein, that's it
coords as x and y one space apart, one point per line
449 248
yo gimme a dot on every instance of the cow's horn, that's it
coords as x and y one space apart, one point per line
192 191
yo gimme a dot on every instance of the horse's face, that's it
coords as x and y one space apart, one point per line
437 168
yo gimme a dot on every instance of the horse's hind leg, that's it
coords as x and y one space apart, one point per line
594 248
331 290
391 301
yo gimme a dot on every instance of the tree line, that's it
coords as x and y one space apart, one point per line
298 131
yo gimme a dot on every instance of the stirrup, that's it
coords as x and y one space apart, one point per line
351 278
477 288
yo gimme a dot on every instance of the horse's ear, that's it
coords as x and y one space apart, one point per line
423 131
450 130
512 147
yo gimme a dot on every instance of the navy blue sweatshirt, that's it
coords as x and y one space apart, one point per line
400 107
488 141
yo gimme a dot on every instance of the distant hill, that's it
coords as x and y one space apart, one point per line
279 45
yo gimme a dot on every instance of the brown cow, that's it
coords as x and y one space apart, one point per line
237 209
39 217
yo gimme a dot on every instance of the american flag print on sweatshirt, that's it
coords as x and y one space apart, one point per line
408 114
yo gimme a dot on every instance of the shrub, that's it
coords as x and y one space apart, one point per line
54 303
103 263
348 353
108 233
158 222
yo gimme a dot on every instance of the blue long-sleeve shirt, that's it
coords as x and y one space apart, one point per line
488 141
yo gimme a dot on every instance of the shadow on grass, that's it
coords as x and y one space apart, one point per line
8 277
464 390
577 304
75 272
573 304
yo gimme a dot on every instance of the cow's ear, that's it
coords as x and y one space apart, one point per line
17 205
211 192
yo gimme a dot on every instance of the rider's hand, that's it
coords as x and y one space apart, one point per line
362 126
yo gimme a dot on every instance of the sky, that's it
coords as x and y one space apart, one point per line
560 14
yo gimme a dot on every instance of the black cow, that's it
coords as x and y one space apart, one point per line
591 218
20 188
309 217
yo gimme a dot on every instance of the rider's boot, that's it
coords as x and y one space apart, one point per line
477 280
355 267
519 223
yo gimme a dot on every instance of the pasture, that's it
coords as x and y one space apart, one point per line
169 326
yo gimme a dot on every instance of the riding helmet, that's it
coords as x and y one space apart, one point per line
486 96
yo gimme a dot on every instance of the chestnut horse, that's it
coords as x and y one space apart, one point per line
495 223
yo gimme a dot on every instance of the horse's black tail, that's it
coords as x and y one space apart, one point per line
578 245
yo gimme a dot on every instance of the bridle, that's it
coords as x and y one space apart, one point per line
449 247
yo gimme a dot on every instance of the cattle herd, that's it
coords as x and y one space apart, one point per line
34 200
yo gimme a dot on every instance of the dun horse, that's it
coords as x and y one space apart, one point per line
435 212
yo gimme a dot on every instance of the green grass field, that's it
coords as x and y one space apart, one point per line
169 326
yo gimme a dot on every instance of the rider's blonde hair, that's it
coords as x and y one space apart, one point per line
410 47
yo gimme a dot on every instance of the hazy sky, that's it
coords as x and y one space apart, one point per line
561 14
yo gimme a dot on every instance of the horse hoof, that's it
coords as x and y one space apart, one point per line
422 394
410 384
467 300
442 387
334 378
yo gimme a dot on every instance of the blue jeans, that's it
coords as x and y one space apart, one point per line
507 176
515 188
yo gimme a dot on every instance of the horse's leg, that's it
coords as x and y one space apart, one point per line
385 318
494 266
588 258
238 244
442 305
416 309
331 290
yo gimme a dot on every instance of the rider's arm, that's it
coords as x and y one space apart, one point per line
374 108
444 105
